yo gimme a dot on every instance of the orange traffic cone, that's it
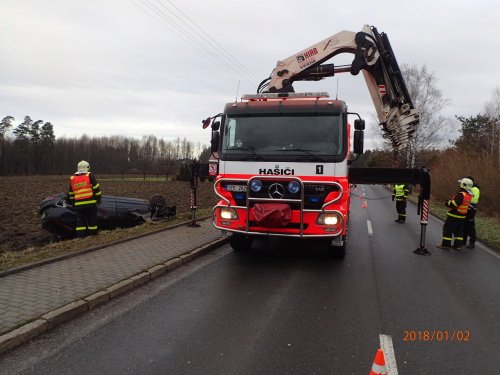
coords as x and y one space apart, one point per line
364 205
378 367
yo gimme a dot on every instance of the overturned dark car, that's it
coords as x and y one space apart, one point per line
59 218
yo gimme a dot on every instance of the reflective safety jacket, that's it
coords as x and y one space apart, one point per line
84 190
475 199
459 204
400 192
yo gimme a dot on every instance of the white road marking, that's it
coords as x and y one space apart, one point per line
390 358
369 225
487 250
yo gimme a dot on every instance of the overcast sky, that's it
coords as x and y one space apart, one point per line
140 67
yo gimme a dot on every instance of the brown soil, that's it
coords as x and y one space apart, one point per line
20 225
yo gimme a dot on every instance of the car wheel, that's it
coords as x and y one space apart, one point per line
157 202
240 242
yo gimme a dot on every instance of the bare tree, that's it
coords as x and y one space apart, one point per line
492 110
428 99
5 124
148 153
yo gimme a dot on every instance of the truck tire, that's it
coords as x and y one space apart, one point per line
336 252
240 242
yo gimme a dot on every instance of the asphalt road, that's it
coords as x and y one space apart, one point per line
288 309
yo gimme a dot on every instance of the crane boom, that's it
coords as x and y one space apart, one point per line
373 55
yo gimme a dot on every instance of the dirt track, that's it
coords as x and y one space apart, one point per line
20 225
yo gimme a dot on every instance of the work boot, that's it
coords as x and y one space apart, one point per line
470 246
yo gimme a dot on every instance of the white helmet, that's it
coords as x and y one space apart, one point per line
465 183
83 166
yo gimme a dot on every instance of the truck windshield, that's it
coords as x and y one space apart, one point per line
307 135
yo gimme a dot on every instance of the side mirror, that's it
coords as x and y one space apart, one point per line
206 122
215 126
214 142
359 124
358 141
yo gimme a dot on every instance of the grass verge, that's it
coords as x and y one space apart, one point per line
13 259
487 228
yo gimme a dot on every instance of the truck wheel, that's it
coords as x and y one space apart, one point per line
240 242
336 251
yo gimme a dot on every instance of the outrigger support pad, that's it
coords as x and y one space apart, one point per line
422 251
423 209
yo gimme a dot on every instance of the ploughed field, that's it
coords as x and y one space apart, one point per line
20 225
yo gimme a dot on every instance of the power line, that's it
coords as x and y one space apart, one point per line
167 21
210 40
192 39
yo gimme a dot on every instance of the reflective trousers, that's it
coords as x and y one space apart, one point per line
453 228
401 209
86 221
470 227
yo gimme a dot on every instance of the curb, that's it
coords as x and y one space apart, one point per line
64 313
90 249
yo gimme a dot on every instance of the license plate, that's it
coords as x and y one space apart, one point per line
236 188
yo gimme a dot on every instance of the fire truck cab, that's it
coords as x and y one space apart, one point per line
283 168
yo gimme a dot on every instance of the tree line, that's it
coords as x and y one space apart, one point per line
32 148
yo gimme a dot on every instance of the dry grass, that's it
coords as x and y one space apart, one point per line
453 165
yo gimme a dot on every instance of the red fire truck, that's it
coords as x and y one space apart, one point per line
281 159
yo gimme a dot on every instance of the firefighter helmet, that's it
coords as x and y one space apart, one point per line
83 166
465 183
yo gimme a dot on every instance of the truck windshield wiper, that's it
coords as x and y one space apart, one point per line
252 150
309 152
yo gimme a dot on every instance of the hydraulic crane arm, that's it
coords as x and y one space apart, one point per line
373 56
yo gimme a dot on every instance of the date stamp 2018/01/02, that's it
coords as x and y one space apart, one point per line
437 335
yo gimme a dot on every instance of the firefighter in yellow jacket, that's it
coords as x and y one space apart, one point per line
470 223
400 194
85 195
454 224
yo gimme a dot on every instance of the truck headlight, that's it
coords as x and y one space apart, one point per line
330 218
228 213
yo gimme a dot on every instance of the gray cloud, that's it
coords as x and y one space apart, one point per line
117 67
